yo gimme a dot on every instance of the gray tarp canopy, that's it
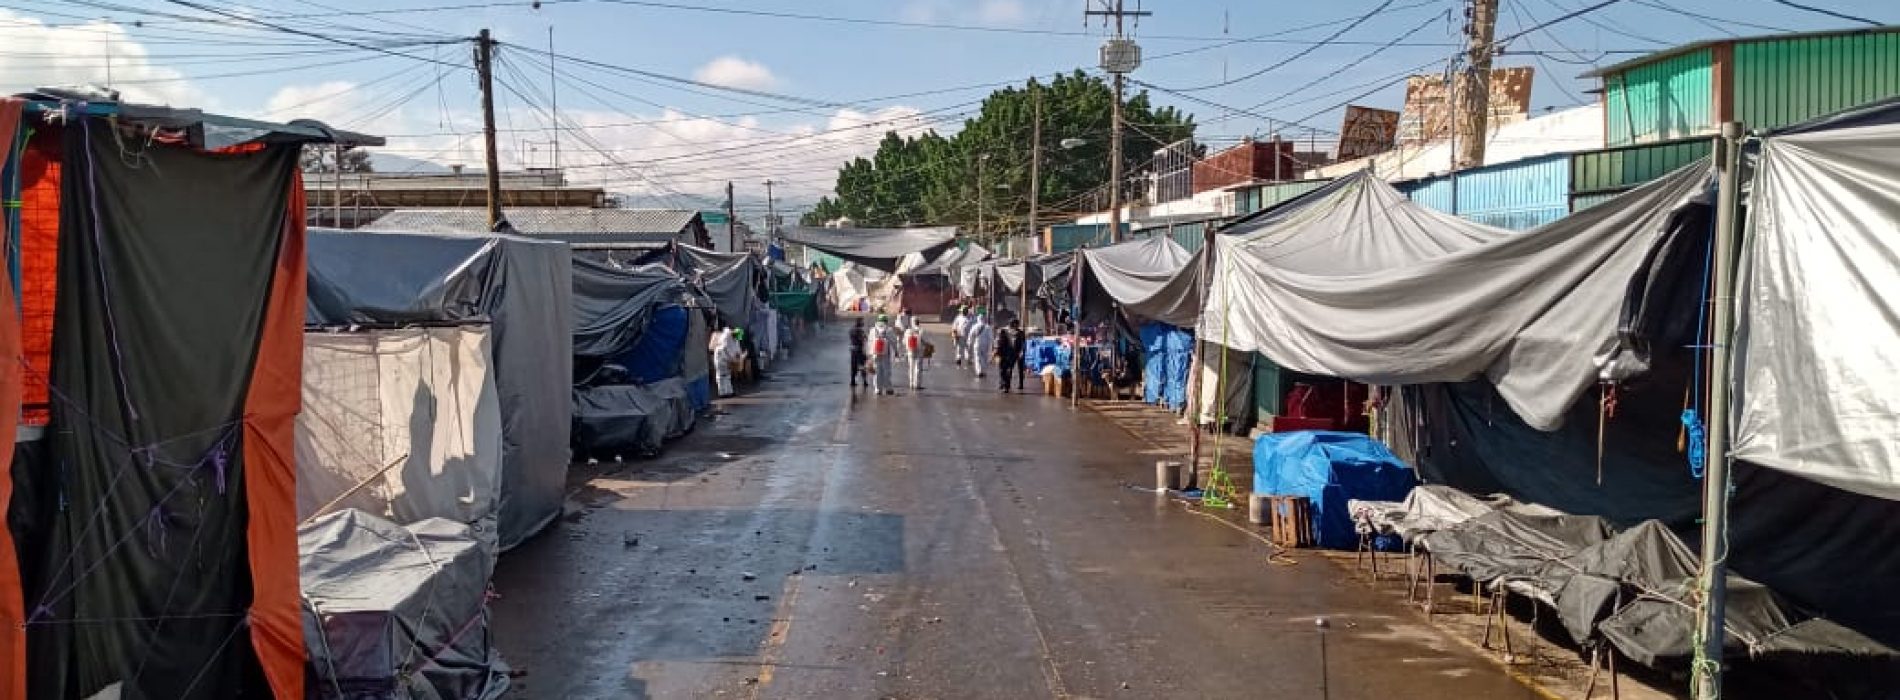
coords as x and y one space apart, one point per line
1129 274
1818 305
612 304
730 279
1364 285
949 262
524 287
876 248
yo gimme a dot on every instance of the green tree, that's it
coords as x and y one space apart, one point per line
322 158
933 179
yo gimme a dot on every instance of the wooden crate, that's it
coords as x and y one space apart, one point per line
1292 521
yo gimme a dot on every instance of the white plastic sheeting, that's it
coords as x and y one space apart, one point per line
1818 311
1365 287
421 399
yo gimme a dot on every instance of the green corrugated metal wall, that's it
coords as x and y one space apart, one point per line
1189 236
1252 199
1268 391
1585 201
1786 81
1618 169
1668 99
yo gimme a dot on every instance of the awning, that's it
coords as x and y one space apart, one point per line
878 248
1366 286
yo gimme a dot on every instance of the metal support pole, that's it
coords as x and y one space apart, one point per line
485 72
1711 631
1115 166
336 188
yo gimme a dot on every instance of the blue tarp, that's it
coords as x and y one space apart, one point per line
699 393
1167 352
1041 352
1329 468
657 354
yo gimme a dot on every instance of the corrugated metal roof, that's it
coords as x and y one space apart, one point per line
544 221
1686 48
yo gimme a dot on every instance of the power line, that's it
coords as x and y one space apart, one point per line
1828 12
920 25
1609 26
1293 30
1297 55
313 35
1354 63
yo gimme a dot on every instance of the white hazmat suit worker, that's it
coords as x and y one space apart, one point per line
981 339
881 347
725 352
914 352
959 336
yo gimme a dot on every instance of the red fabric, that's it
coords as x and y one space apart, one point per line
39 267
270 468
12 592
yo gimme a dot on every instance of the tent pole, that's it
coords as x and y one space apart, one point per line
1193 408
1710 629
1075 330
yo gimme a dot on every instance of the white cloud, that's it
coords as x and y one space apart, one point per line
341 104
94 53
660 158
736 72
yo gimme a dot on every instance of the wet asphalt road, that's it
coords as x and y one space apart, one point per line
815 542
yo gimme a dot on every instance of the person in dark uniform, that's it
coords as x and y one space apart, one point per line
1009 353
857 352
1022 353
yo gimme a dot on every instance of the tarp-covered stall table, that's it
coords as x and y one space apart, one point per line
522 288
1329 469
394 611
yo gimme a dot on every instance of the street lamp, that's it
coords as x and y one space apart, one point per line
1072 143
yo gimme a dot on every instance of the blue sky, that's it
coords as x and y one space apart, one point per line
834 68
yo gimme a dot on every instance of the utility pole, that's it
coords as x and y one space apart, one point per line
1712 598
554 100
1120 56
1035 194
485 72
771 214
336 188
1481 25
982 182
1035 159
732 221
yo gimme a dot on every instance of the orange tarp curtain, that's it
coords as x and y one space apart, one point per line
12 593
270 468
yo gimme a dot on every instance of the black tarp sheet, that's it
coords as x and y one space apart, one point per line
875 248
163 286
1631 588
524 287
612 305
732 280
1813 543
394 612
631 418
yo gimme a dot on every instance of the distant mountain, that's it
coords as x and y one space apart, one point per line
392 163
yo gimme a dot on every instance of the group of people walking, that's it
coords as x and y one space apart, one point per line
874 350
